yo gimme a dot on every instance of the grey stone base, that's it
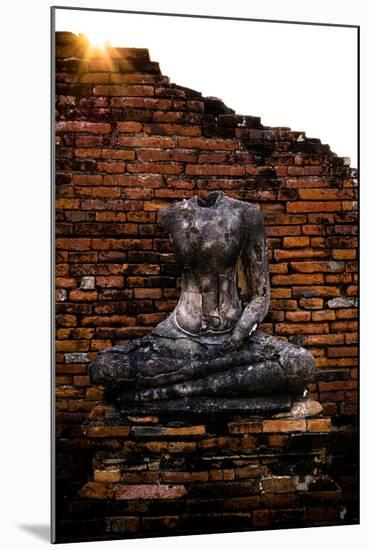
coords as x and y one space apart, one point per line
211 405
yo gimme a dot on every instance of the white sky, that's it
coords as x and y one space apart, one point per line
300 76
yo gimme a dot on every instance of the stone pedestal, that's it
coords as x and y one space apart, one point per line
223 472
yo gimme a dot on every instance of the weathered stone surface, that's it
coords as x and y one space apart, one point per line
342 302
208 346
302 408
76 358
208 405
87 283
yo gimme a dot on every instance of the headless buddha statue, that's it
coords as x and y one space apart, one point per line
210 345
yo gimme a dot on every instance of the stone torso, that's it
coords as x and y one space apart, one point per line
207 239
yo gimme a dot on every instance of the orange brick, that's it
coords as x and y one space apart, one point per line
296 316
109 282
344 326
111 167
131 90
172 129
97 490
344 254
311 303
107 475
83 295
108 431
207 143
324 315
129 127
297 278
154 168
147 141
319 425
95 78
314 206
143 293
284 426
301 328
296 242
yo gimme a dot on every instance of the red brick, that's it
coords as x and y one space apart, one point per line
281 255
180 155
125 90
109 282
324 194
207 143
320 267
343 351
87 153
319 425
147 141
284 426
324 315
88 141
215 169
141 103
143 293
296 242
83 295
129 127
172 129
301 328
344 326
297 278
338 385
87 180
67 204
64 282
343 254
349 313
108 431
107 475
97 490
154 168
314 206
111 167
273 231
311 303
136 78
95 78
298 316
184 477
321 291
323 339
134 180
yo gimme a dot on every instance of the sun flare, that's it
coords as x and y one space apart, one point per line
97 39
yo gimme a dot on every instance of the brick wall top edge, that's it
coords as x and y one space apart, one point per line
222 119
69 44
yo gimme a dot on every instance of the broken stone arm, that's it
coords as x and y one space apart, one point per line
254 263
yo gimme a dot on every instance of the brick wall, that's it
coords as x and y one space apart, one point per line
128 142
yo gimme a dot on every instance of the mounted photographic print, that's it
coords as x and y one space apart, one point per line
205 369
